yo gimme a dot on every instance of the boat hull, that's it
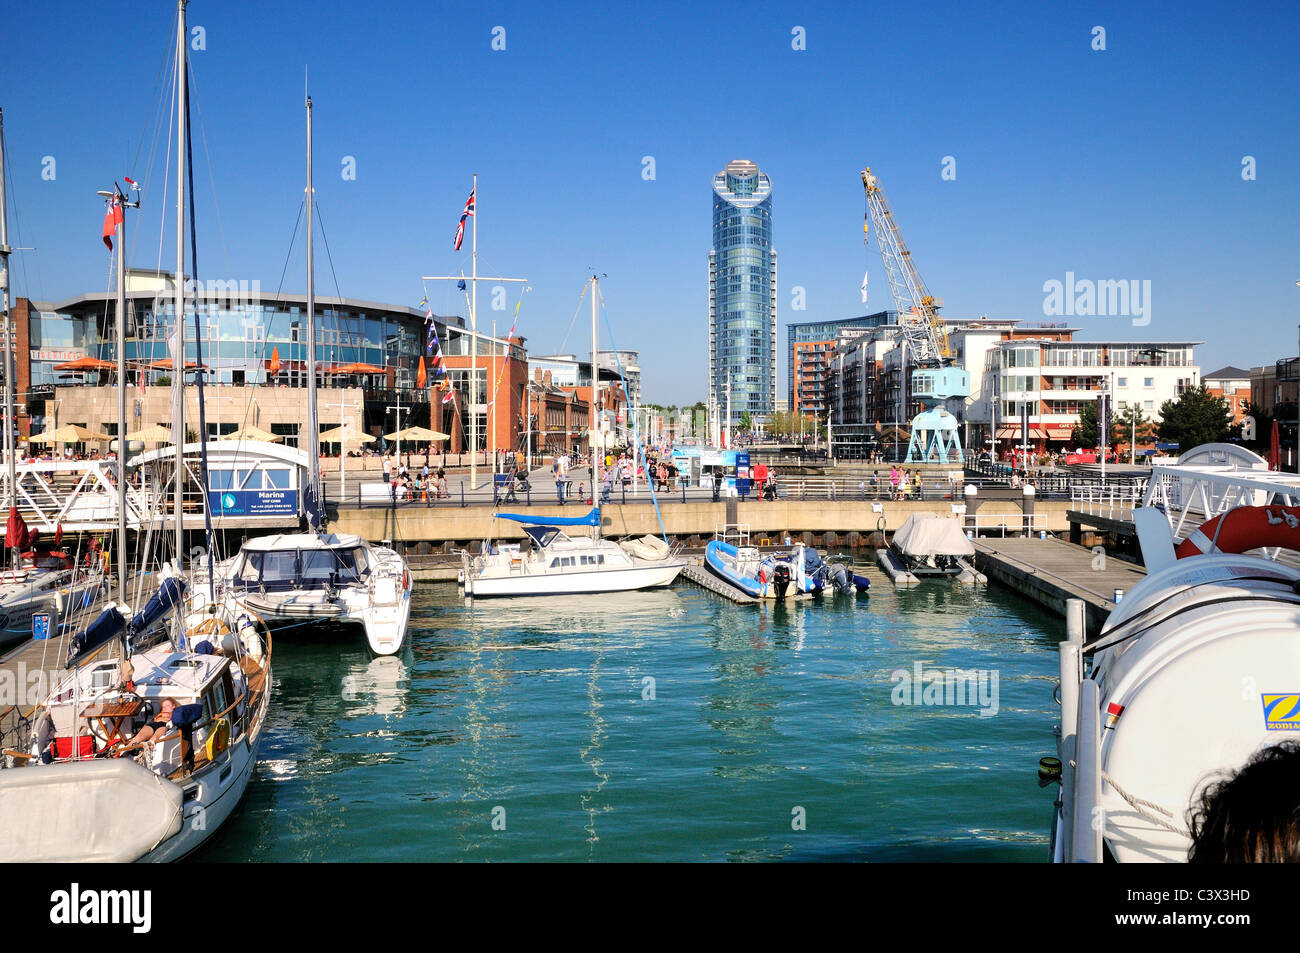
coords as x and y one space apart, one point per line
577 582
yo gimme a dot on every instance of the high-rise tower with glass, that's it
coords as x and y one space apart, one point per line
742 294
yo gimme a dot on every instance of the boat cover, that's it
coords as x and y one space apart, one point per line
590 519
927 534
109 810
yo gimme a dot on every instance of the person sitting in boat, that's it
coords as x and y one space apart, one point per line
154 729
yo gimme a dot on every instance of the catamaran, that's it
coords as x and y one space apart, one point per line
550 562
340 581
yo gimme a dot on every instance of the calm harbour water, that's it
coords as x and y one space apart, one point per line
539 714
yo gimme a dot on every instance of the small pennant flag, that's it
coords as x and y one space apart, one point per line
112 218
460 229
864 287
451 395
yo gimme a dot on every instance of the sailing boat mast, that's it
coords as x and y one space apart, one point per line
595 383
178 355
9 341
314 505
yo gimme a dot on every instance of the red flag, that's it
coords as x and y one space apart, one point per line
58 527
421 376
112 218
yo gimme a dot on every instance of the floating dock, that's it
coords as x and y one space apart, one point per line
1051 571
702 577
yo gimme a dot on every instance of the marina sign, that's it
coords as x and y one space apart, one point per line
254 503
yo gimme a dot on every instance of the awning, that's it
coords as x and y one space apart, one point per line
1013 433
1059 433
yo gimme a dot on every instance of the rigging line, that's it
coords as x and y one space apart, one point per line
356 323
636 437
573 319
147 177
163 65
162 226
212 182
199 371
18 229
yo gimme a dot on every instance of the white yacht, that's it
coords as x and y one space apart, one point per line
81 791
549 562
329 578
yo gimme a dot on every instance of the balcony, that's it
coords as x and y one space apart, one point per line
1289 370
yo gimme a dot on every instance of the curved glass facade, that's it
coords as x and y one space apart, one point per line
742 293
239 337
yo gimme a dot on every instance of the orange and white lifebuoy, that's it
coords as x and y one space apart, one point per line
1244 528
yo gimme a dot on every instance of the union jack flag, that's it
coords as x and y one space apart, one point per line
460 229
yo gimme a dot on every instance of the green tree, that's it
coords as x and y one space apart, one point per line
1085 431
746 422
1130 423
1194 418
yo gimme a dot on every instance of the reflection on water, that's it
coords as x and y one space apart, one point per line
663 725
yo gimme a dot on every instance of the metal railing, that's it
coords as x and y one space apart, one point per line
1112 501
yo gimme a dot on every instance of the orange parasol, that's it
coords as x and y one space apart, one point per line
421 376
275 361
85 364
357 368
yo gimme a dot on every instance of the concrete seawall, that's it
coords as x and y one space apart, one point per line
414 524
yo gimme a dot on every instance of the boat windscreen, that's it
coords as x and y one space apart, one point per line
543 536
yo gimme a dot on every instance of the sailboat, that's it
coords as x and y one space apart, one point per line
550 562
330 579
85 785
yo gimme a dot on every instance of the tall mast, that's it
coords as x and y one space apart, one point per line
595 382
8 335
313 416
473 360
121 399
178 358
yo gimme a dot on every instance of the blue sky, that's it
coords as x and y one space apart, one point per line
1117 164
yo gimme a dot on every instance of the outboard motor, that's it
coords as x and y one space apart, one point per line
840 579
780 580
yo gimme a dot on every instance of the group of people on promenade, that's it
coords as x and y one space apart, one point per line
896 485
425 485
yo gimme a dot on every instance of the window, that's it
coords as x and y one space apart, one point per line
1148 405
1121 382
277 479
1148 382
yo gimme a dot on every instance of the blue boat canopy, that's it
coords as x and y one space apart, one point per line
591 519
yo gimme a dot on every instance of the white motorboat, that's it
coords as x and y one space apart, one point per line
82 791
549 562
335 579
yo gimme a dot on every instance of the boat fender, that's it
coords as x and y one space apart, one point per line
1244 528
218 739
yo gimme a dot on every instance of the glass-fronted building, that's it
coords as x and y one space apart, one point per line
742 294
249 339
